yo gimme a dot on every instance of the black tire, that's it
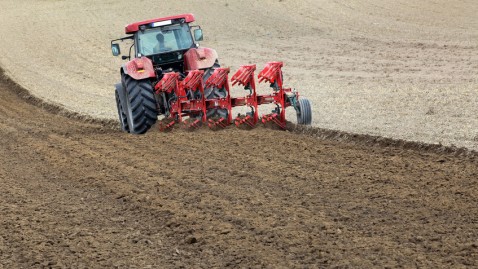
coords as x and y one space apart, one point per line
121 114
140 110
304 115
213 93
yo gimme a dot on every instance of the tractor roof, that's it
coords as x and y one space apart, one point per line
134 27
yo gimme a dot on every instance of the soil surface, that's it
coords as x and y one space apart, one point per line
80 195
404 69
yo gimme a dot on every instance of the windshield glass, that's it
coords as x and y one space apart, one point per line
164 39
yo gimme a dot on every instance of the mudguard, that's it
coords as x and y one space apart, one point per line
199 58
139 68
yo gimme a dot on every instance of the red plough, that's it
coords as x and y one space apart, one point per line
191 106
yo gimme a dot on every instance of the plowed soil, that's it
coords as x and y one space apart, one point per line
80 195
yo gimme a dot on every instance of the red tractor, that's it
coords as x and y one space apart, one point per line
171 75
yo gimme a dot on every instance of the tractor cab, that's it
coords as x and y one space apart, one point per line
164 41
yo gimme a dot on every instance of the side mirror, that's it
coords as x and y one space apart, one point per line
115 48
198 35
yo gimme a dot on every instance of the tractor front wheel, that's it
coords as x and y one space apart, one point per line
141 111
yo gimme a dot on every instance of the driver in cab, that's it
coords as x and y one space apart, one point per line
160 47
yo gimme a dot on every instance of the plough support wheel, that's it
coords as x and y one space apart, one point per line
304 113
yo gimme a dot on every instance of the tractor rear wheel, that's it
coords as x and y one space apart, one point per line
214 93
121 114
304 114
140 109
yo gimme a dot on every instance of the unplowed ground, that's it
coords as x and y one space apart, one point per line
79 195
403 69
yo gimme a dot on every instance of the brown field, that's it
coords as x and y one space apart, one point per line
78 193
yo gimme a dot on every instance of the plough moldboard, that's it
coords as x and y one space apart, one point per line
190 106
